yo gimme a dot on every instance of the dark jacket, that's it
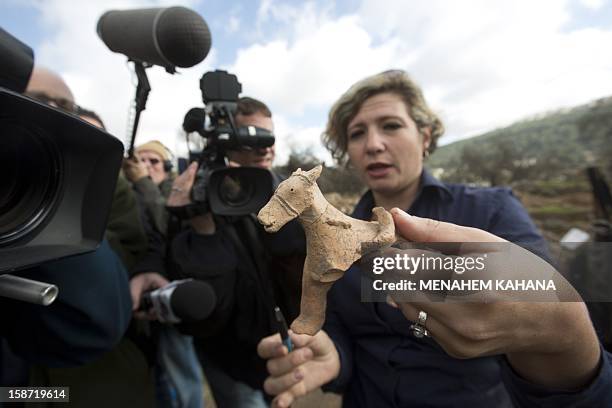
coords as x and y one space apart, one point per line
88 318
152 199
246 290
250 271
125 231
384 365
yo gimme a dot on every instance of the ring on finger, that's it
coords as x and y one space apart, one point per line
418 329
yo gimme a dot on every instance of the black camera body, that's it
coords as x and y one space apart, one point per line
218 188
58 173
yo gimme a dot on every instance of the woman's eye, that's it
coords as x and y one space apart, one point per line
355 135
392 126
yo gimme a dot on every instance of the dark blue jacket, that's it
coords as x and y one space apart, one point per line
88 318
383 365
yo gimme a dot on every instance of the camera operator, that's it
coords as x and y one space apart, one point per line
91 311
124 230
125 367
251 272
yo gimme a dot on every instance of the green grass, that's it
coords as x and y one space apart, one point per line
564 211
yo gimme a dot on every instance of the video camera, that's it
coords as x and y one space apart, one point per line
58 173
177 36
218 188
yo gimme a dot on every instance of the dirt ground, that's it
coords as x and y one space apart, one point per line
316 399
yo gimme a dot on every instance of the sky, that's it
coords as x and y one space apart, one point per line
482 64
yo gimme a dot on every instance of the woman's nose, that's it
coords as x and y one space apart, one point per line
374 142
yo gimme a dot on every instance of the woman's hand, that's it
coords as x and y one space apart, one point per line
553 344
313 362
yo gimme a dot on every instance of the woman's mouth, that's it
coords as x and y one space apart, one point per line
378 170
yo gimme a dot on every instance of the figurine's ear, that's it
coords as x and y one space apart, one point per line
298 171
314 174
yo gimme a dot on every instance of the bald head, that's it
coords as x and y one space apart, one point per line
47 82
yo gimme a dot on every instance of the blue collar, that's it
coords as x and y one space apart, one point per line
427 183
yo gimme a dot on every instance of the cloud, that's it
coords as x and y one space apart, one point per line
312 62
592 4
233 24
482 64
491 63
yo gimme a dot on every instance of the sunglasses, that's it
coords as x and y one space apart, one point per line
153 162
61 103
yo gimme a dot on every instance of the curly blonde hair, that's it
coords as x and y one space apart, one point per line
335 137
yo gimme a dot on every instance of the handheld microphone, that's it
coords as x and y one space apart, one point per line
184 300
170 37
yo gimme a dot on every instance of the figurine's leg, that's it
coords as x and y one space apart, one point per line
312 308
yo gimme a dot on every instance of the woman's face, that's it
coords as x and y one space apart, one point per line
154 163
385 146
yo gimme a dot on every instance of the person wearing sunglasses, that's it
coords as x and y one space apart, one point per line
151 175
156 159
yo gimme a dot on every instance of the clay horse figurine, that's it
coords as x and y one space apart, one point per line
334 240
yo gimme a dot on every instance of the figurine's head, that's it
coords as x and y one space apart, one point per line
290 199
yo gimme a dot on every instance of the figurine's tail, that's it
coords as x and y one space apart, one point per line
386 232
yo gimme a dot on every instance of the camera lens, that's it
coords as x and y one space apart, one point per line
239 190
235 191
30 168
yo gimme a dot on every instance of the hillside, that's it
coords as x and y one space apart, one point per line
547 146
543 158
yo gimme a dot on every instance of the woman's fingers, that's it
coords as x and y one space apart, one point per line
286 370
411 313
301 340
279 384
313 362
418 229
284 400
283 365
460 338
271 347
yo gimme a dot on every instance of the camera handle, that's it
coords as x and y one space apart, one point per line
140 100
27 290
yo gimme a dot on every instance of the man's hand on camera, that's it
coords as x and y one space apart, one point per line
180 196
181 188
134 169
140 284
